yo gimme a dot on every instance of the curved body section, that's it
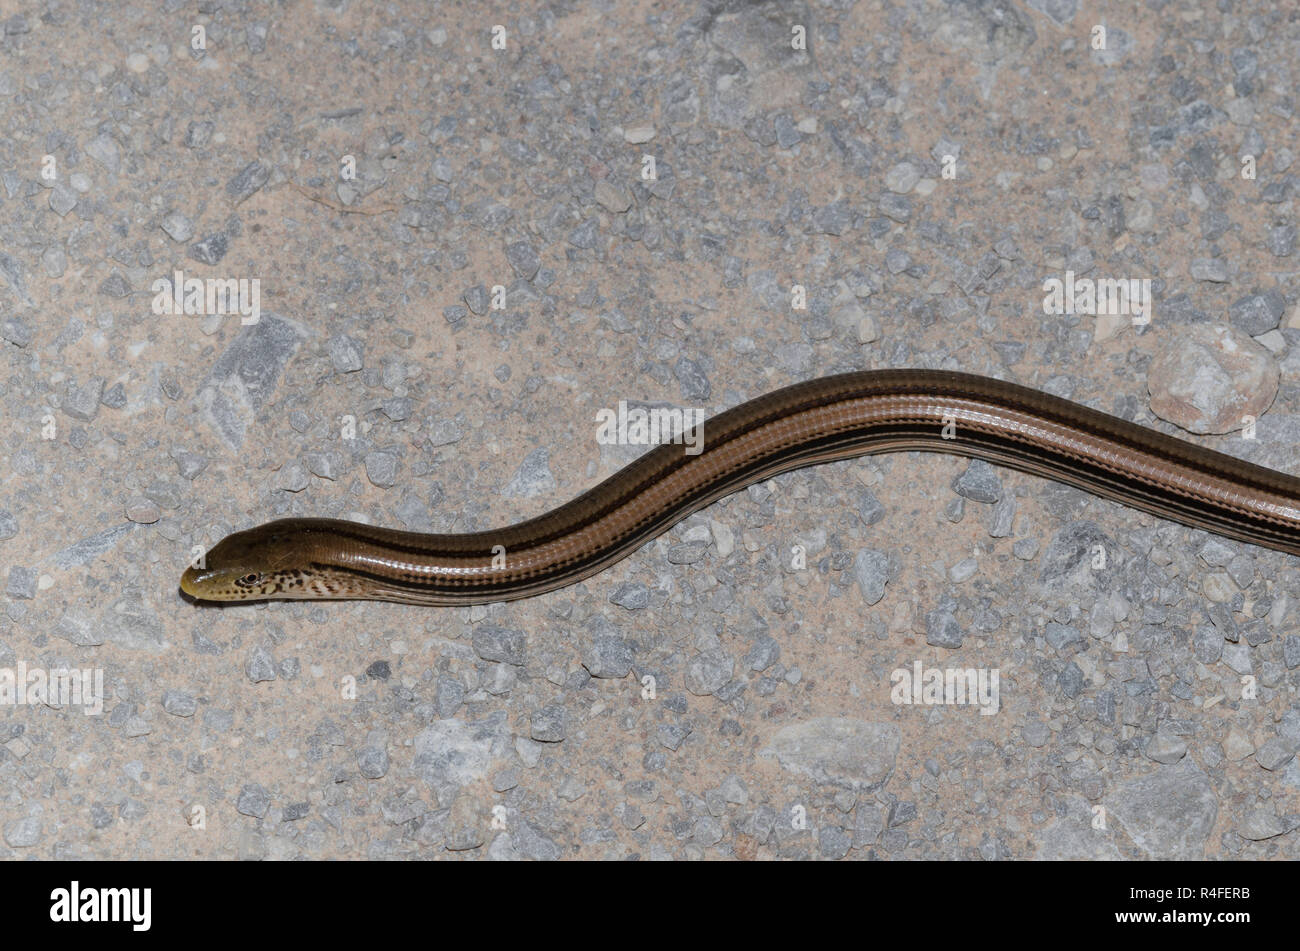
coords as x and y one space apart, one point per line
835 417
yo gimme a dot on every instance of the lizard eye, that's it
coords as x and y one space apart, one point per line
249 580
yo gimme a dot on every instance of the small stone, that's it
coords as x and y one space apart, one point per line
1207 377
22 583
16 330
103 149
1025 548
1259 825
765 652
609 658
115 285
1290 647
62 199
501 645
178 227
632 595
345 353
476 298
942 630
611 198
179 704
902 178
1237 746
1061 635
523 259
372 761
1212 270
381 469
115 397
1036 733
1275 753
83 403
532 478
549 724
143 511
963 571
253 801
709 671
1257 314
871 571
190 464
638 133
1166 749
247 181
211 249
24 833
260 665
979 483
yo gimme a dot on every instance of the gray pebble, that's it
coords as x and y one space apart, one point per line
500 644
833 842
765 652
323 464
1275 753
103 149
632 595
609 658
942 630
1290 646
955 510
476 298
1036 733
870 509
549 724
197 134
295 811
179 704
963 571
979 483
190 464
694 382
247 181
1166 749
16 330
345 353
532 478
1060 635
62 199
115 397
253 801
372 761
83 402
1002 517
22 583
523 259
211 249
54 260
178 227
260 665
1281 240
24 833
897 261
1214 270
1070 680
709 671
381 469
672 735
1257 313
871 571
